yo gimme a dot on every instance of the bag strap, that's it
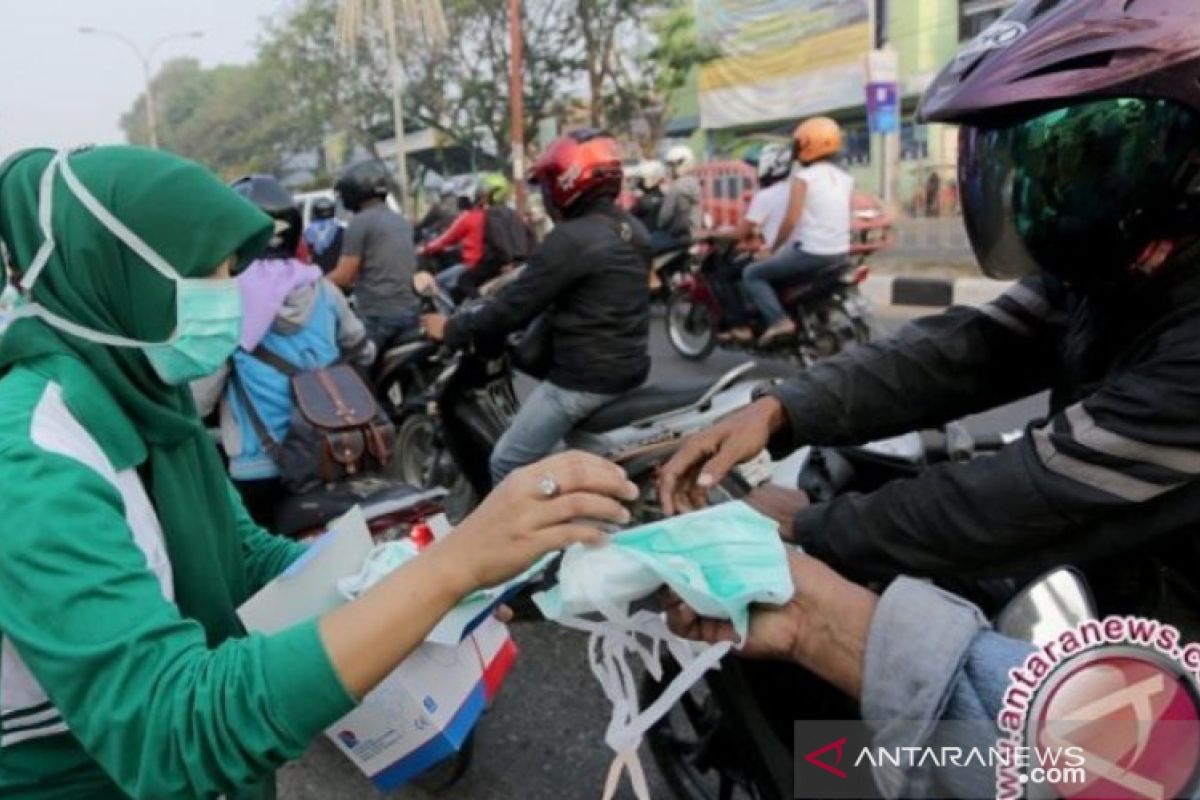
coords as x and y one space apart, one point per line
276 361
260 428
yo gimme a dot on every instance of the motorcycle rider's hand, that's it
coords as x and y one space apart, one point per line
780 504
434 326
823 628
519 522
704 459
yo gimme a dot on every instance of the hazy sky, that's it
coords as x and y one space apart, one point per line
59 87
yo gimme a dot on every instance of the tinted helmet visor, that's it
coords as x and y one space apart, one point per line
1080 191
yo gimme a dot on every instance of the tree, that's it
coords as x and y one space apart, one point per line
600 25
636 57
458 88
244 124
461 89
234 119
329 88
179 87
647 87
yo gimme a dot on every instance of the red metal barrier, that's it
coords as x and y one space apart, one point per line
727 187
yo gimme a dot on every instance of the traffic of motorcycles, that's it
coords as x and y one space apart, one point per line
449 407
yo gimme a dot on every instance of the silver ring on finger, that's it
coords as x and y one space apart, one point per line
548 486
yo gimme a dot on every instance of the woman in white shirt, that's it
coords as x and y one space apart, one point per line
815 232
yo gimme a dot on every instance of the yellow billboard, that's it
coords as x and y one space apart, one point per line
781 59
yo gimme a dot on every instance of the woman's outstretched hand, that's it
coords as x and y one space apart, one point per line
536 510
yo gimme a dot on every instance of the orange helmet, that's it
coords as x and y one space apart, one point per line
816 138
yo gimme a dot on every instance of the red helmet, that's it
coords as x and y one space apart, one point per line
577 169
1080 152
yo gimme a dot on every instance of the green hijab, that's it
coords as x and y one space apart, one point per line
184 213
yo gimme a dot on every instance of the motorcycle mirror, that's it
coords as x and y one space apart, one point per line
1044 609
424 284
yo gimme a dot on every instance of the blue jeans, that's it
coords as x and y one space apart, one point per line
661 242
546 416
382 330
788 265
448 278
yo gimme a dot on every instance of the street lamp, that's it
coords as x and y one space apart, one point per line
145 56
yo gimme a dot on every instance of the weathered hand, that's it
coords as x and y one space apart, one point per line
704 459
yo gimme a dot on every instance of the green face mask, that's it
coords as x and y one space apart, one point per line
719 561
208 313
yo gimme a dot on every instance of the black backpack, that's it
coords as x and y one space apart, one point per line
506 240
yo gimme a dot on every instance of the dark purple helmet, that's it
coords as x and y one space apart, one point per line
1080 152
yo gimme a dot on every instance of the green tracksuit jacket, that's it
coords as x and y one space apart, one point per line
106 691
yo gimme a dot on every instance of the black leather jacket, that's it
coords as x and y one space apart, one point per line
590 275
1110 481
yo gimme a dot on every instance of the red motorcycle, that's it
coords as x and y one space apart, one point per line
829 311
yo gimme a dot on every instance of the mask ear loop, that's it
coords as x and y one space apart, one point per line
45 222
59 164
115 226
609 643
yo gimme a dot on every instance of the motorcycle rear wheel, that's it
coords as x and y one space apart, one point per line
422 461
835 330
690 328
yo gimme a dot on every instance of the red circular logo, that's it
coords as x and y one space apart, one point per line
1130 717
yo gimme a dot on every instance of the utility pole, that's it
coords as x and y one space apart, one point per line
516 90
883 100
388 10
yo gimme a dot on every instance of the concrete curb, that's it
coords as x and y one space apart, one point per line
905 292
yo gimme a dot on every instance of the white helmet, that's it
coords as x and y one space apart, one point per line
652 173
681 160
774 162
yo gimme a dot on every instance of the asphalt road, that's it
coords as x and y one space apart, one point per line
543 739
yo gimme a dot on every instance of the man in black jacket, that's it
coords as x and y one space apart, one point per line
1107 317
589 276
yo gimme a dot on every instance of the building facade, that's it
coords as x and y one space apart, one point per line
783 60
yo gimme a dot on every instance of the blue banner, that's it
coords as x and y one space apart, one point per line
883 107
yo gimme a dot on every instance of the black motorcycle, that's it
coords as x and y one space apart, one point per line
451 407
731 735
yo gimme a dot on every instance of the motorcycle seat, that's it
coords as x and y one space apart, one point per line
303 513
399 353
403 337
794 291
648 401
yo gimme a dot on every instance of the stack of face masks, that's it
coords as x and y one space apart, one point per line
719 561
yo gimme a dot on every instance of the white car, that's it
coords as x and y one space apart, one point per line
306 200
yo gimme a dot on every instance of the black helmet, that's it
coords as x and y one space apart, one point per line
266 192
323 208
361 182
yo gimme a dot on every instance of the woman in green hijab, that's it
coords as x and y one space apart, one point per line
124 671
